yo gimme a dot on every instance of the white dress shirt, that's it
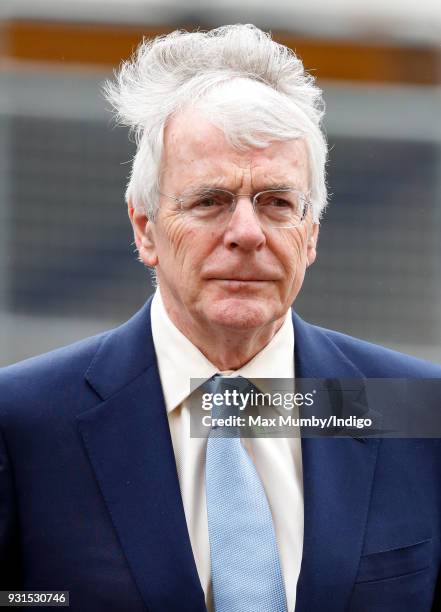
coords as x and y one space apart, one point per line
278 461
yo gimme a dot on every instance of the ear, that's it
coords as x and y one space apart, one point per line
311 246
143 231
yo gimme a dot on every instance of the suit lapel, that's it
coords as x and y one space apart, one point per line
337 479
128 442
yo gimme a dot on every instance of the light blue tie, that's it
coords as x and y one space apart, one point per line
245 567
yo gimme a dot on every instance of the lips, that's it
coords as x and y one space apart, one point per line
244 274
249 277
236 279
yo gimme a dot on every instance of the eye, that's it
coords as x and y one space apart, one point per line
278 202
213 199
207 202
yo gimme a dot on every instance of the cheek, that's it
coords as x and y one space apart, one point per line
181 251
175 241
292 249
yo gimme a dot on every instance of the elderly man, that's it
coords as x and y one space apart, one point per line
104 492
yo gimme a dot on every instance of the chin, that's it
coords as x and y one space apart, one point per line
241 314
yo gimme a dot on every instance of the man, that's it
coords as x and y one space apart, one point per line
103 491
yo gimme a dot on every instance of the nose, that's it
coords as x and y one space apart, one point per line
244 230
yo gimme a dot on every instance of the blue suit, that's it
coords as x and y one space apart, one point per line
90 498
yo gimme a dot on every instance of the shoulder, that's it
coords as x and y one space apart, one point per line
47 380
65 382
378 361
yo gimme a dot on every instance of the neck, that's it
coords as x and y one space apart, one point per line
226 348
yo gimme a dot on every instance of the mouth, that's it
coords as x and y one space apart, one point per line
241 284
239 279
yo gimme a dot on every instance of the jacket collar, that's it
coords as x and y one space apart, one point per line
317 356
124 354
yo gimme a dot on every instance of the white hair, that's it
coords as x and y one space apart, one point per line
251 87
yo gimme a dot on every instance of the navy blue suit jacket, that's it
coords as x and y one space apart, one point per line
90 498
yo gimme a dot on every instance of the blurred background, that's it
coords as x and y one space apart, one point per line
67 263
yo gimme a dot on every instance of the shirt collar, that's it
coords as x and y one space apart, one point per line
179 360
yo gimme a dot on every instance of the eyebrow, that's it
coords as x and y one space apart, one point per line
278 186
218 185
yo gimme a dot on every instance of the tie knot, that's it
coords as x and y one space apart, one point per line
230 395
219 384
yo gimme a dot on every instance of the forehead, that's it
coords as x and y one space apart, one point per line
195 151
